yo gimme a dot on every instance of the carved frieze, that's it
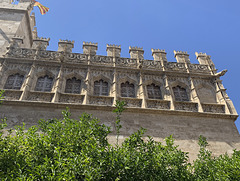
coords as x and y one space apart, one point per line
22 67
126 75
40 96
158 104
21 53
53 70
152 78
198 68
131 102
76 58
174 66
102 60
101 100
12 94
71 98
126 62
186 106
179 79
213 108
73 71
150 64
99 72
49 55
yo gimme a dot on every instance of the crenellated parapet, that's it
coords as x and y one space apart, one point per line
136 52
65 46
113 57
40 43
113 50
159 55
181 56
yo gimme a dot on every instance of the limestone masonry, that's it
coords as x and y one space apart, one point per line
179 98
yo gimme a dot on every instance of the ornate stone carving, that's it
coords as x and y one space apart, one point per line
173 66
22 67
213 108
21 53
158 104
186 106
40 96
71 98
180 79
132 102
49 55
198 68
126 62
102 60
81 72
12 94
76 58
150 64
101 100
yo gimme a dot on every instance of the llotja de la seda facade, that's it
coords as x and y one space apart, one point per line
179 98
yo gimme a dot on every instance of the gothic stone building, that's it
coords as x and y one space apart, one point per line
178 98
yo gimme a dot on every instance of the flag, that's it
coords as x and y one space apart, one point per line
43 9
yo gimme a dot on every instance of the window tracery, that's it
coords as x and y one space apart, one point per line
73 86
44 84
127 90
180 93
100 88
154 92
14 82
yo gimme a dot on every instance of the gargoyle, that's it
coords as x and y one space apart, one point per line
222 73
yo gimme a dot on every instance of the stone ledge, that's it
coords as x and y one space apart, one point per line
111 108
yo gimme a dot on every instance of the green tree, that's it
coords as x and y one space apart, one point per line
1 96
78 149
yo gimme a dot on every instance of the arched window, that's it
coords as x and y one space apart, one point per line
127 90
100 88
73 86
180 94
14 82
44 84
154 92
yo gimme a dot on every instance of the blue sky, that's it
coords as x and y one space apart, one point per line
210 26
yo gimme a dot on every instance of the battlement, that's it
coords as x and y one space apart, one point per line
136 53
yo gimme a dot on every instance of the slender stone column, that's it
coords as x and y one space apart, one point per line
58 84
141 91
3 68
89 49
194 95
167 95
88 86
28 82
115 52
222 96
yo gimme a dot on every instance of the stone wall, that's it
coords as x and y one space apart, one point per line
219 129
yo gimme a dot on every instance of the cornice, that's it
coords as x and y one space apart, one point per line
111 108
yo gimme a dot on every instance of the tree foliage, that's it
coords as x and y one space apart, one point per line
70 149
1 96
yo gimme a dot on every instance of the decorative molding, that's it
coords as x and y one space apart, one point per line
101 100
71 98
158 104
12 94
213 108
186 106
131 102
40 96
